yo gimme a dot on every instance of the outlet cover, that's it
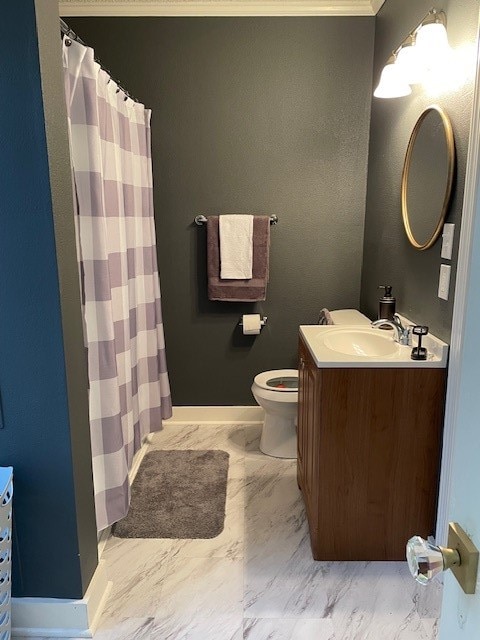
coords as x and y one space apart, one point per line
444 281
447 241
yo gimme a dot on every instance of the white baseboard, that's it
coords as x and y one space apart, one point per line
103 537
138 457
56 618
208 415
105 534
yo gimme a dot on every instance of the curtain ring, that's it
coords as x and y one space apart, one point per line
68 42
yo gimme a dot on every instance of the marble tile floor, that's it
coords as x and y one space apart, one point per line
257 579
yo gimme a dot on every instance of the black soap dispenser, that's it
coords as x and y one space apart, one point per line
386 304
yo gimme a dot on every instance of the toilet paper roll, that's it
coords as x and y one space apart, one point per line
251 324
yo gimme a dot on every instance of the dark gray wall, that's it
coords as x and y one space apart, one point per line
43 390
251 115
61 187
388 257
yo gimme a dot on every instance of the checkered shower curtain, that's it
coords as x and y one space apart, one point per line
129 391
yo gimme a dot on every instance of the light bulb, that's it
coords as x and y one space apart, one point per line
392 83
411 64
432 44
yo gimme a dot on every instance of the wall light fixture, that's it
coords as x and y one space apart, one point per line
410 61
392 81
422 52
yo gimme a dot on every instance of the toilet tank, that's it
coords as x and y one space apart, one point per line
349 316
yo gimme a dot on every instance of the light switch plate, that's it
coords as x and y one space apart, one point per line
444 281
447 241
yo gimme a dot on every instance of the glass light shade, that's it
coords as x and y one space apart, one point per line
392 83
411 64
432 44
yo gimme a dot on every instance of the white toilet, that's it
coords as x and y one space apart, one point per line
277 393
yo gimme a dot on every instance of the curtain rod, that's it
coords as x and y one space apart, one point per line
71 35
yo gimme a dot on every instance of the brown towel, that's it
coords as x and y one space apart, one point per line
251 290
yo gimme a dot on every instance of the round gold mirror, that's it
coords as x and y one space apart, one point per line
427 177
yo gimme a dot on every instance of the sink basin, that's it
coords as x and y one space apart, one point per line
355 342
366 346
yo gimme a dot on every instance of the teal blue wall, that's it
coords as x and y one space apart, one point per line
36 436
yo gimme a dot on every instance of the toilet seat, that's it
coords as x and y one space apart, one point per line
278 380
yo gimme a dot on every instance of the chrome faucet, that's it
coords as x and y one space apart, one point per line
403 335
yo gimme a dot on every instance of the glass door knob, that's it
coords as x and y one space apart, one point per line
426 560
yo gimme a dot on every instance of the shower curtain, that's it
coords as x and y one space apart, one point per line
129 390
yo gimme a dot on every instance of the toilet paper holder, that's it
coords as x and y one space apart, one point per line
263 322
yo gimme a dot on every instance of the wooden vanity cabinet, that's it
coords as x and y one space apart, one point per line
369 445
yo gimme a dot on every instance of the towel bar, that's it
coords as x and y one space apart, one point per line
199 220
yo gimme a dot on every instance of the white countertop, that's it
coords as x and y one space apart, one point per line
323 343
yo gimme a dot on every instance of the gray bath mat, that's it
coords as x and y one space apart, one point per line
177 494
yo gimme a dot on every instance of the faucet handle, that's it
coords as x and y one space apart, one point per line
398 320
408 333
405 332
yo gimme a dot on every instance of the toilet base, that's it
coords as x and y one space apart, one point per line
279 436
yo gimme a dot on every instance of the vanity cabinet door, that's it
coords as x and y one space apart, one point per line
302 417
307 431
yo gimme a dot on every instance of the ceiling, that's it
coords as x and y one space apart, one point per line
219 7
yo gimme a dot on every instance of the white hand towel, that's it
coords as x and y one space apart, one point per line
236 246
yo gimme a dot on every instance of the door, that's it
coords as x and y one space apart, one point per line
460 612
460 618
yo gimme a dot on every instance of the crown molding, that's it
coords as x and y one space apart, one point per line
219 7
377 5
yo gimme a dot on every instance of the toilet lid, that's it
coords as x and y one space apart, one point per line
283 380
